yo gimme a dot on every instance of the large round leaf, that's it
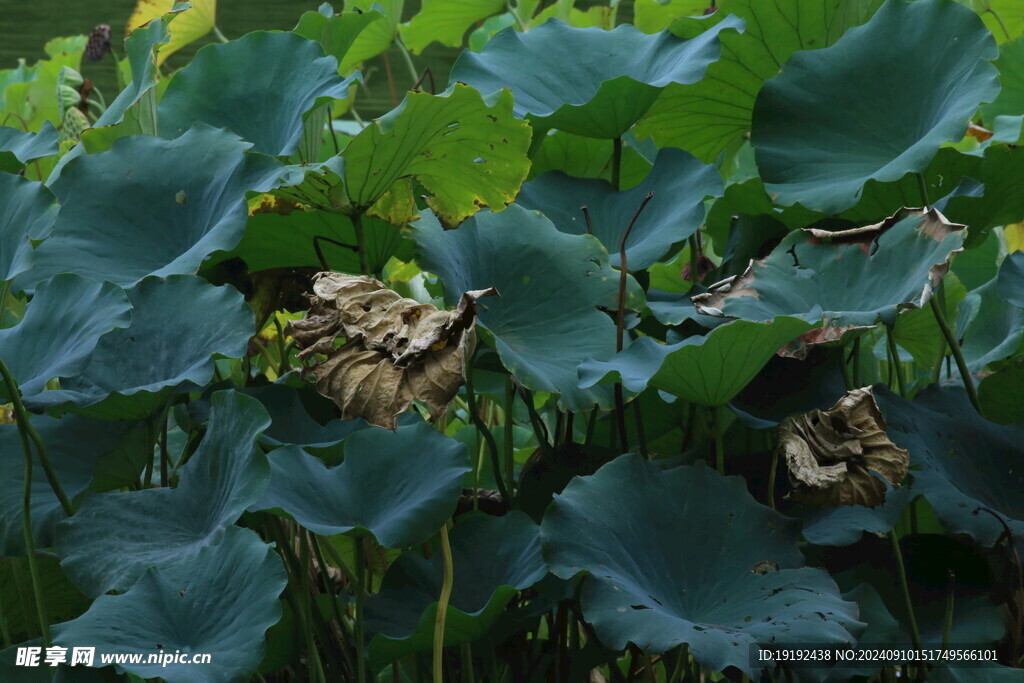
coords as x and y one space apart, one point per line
587 81
856 277
709 369
545 320
850 97
679 182
493 557
687 556
220 603
961 461
149 206
114 537
166 345
62 324
28 212
300 415
74 446
258 86
705 117
436 139
400 486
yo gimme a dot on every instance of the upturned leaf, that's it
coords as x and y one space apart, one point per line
849 97
686 556
28 213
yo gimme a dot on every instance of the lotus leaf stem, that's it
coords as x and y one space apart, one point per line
954 346
485 432
915 635
360 562
509 447
26 503
442 605
894 361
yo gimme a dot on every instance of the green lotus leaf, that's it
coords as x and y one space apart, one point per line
545 320
400 486
220 602
961 461
709 370
824 525
858 277
989 327
149 206
582 157
301 416
74 445
114 537
61 327
279 241
378 36
693 559
849 97
1002 173
1006 113
167 344
705 117
917 331
336 33
29 210
436 139
679 182
493 557
587 81
1011 279
999 394
446 21
18 147
258 86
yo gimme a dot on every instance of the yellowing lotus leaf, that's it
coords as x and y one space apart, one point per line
394 350
189 25
833 456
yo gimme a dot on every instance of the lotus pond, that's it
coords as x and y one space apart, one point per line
655 337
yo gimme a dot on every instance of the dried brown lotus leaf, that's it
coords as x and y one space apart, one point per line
833 456
393 350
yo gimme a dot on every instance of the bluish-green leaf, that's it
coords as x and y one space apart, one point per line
61 327
258 87
679 182
587 81
149 206
220 603
19 147
545 320
400 486
493 557
835 118
114 537
27 213
178 324
686 556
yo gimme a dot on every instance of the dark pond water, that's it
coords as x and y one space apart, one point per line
26 25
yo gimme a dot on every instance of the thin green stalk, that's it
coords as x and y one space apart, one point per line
540 430
312 652
164 454
407 58
940 292
915 635
922 187
693 258
510 397
442 605
357 225
468 675
483 430
21 415
353 581
149 445
954 346
220 36
894 360
265 352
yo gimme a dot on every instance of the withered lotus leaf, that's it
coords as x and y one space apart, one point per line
833 456
395 350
